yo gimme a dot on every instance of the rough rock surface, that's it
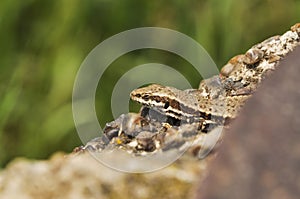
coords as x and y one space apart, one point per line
81 176
260 156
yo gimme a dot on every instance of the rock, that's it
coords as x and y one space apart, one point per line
81 176
260 155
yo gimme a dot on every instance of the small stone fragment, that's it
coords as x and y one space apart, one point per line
232 64
296 28
229 84
253 56
274 58
145 141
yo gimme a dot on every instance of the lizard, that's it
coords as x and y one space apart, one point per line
187 105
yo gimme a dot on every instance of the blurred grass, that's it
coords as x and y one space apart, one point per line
43 43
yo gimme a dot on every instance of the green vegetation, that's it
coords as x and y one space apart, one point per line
43 43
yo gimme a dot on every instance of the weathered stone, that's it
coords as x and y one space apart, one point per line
260 155
253 56
81 176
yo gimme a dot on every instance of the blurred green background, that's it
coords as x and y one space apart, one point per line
43 43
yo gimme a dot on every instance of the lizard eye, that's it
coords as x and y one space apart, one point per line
146 97
167 104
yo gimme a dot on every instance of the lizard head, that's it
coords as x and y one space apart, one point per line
167 100
154 95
